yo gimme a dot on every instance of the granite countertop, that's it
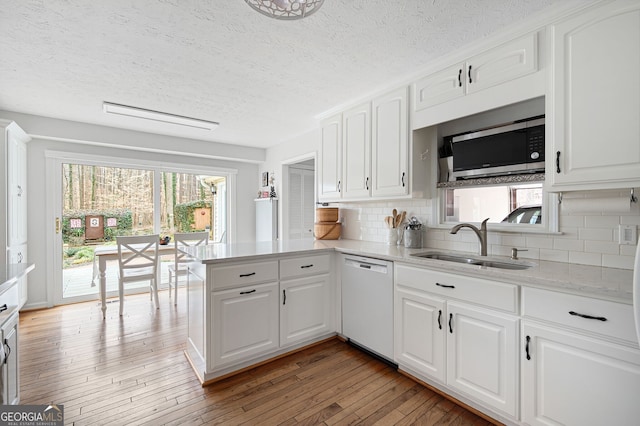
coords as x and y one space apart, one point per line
592 281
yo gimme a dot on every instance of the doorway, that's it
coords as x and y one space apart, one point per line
301 199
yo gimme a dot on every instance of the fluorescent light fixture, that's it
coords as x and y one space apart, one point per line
163 117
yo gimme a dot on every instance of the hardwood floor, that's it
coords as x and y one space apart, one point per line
132 370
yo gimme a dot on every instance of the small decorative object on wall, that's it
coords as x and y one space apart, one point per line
272 193
265 179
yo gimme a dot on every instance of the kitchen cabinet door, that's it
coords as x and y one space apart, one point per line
573 379
245 323
440 87
10 365
419 335
390 144
18 254
596 100
16 187
501 64
482 359
330 159
356 152
305 309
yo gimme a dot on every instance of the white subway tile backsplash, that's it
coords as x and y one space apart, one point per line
583 239
583 258
539 242
595 234
560 243
601 247
622 262
601 221
554 255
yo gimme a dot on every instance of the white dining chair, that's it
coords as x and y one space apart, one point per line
179 267
138 261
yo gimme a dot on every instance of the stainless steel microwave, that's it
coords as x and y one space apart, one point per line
515 148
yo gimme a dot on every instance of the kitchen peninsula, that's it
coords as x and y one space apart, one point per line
252 302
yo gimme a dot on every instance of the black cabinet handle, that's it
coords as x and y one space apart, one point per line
19 191
450 323
338 186
460 77
445 285
247 275
576 314
248 292
557 161
3 307
526 348
306 266
366 183
440 319
402 179
470 80
7 351
284 297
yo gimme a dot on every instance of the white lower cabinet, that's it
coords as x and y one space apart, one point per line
573 379
18 254
470 349
580 361
419 332
482 355
305 309
245 323
10 371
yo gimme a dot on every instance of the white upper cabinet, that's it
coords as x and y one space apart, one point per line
330 166
390 144
595 100
366 152
356 152
501 64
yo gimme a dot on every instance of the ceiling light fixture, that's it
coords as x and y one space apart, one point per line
147 114
285 9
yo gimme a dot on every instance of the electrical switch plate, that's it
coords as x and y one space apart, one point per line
627 234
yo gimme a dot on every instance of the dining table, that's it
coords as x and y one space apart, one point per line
101 255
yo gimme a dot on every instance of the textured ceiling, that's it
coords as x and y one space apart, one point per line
264 80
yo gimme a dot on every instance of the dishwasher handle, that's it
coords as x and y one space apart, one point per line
373 267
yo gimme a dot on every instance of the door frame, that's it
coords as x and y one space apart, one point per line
284 203
53 205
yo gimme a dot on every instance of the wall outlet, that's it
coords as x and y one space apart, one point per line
627 234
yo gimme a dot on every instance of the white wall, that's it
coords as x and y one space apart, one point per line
118 143
278 156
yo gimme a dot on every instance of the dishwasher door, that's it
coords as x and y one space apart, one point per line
367 303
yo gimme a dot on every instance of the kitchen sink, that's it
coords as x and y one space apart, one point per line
470 260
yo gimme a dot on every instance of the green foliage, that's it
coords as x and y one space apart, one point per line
183 214
124 220
78 256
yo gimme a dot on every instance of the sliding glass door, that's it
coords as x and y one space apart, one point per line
100 202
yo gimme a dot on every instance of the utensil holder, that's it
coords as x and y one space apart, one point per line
392 237
413 238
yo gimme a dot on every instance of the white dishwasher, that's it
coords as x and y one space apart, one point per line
367 304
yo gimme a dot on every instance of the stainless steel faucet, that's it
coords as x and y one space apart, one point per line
481 233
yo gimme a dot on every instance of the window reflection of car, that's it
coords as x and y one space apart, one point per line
525 214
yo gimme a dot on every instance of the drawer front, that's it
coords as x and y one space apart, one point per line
479 291
304 266
226 276
569 310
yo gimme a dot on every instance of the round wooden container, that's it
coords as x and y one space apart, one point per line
327 214
327 230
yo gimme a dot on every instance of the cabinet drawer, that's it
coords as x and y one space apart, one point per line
225 276
565 309
479 291
304 266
